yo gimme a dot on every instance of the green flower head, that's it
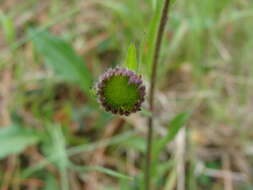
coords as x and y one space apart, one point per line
121 91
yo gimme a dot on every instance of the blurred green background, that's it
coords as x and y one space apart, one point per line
54 135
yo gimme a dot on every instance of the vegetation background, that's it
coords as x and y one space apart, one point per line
53 135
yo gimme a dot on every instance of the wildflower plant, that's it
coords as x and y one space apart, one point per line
121 90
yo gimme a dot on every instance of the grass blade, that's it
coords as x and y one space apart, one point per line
102 170
8 28
148 45
173 128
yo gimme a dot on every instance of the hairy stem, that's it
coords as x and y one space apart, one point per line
159 38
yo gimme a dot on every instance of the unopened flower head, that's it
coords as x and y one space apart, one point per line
121 91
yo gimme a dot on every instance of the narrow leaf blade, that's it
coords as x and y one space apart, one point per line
131 59
173 128
102 170
148 45
8 27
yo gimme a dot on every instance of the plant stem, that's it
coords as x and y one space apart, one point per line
159 38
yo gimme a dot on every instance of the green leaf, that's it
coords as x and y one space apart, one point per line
131 59
58 148
8 27
173 128
14 140
171 179
148 45
62 58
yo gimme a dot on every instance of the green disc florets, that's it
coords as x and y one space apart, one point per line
121 91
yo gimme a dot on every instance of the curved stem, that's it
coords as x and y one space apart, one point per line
159 38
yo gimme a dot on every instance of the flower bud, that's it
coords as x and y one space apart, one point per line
121 91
